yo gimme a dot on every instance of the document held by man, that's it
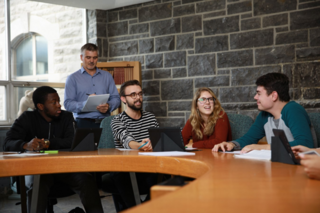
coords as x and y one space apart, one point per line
93 101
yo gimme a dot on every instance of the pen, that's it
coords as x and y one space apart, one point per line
50 151
90 94
143 145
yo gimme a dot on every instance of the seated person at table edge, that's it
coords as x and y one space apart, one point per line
311 163
48 121
277 112
130 131
88 81
208 124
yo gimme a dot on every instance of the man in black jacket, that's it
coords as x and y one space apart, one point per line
48 121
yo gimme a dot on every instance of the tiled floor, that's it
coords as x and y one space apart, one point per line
8 205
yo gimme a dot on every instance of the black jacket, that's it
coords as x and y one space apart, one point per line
31 124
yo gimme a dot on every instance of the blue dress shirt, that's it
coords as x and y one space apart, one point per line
81 83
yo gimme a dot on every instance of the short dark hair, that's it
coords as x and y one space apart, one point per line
275 82
89 47
128 83
40 95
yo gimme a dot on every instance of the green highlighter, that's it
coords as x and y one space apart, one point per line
50 151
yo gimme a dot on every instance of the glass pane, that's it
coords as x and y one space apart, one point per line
24 100
3 103
54 50
42 55
24 63
3 71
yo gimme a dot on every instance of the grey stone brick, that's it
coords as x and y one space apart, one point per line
233 0
311 93
315 37
176 114
189 1
139 28
123 38
119 28
176 3
251 39
223 72
184 41
133 21
211 44
191 23
235 59
190 52
123 48
237 94
221 25
249 24
147 74
165 27
306 74
179 106
159 11
302 45
154 61
101 16
239 7
135 58
309 54
183 10
175 59
151 87
157 108
305 19
151 98
165 43
292 37
248 76
275 20
114 59
309 5
282 29
162 73
214 14
171 122
197 34
275 55
199 65
183 89
273 6
128 14
146 46
239 106
179 72
247 15
208 6
101 30
212 81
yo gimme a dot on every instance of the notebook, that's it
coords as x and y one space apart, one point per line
86 139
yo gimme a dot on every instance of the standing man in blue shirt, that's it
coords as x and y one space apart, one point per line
87 81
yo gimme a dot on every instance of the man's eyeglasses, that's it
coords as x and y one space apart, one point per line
204 100
134 95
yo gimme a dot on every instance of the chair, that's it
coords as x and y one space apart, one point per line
315 121
240 124
106 138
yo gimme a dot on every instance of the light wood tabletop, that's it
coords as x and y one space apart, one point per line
223 183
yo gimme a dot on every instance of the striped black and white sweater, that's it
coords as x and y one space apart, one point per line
126 129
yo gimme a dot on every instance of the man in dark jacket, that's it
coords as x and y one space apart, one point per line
49 127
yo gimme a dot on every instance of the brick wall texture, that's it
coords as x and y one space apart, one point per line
222 44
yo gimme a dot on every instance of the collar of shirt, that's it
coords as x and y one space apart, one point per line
84 71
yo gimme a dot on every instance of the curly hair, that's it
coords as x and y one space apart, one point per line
195 118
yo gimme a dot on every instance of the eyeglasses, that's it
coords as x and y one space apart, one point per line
204 100
134 95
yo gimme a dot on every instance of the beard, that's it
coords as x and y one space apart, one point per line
46 111
132 106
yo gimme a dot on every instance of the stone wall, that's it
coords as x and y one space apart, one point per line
222 44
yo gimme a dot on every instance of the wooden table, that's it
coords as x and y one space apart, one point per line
223 183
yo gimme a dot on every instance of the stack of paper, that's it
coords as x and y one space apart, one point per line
256 154
171 153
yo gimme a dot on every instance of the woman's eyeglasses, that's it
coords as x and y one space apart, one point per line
204 100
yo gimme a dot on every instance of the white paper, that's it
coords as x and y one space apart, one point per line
231 152
256 154
93 101
171 153
310 152
24 154
191 148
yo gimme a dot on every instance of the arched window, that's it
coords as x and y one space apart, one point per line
30 55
